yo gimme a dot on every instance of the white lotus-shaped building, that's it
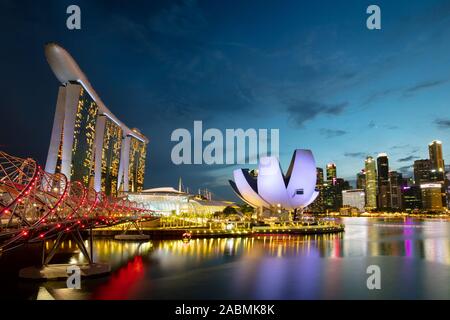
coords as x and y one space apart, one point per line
271 188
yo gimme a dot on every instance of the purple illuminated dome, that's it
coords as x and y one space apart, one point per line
271 188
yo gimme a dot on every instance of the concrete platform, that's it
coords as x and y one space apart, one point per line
130 237
59 271
43 294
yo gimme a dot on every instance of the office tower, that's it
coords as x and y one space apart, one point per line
318 205
371 183
361 179
384 197
436 161
354 199
319 173
330 199
422 170
340 185
435 152
411 198
395 190
432 197
331 171
446 187
88 143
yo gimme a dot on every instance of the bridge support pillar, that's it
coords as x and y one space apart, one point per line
76 236
125 236
49 271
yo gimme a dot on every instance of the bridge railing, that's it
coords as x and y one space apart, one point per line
36 205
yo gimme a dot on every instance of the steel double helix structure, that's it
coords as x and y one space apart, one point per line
36 205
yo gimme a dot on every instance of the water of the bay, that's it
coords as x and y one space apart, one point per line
413 256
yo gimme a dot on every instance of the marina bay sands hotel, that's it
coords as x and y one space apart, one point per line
88 143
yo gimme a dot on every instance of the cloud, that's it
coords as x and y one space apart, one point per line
355 154
442 123
405 92
406 169
372 125
400 146
391 127
377 96
329 133
303 110
423 85
407 159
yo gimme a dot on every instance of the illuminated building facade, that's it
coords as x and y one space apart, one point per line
384 197
422 171
133 163
354 199
411 198
331 171
395 191
88 143
361 180
273 189
435 152
329 196
167 201
436 161
432 197
109 159
371 183
318 205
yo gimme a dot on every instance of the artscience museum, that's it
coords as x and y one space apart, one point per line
270 188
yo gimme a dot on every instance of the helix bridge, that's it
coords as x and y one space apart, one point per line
36 206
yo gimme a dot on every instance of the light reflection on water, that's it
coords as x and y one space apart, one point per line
414 257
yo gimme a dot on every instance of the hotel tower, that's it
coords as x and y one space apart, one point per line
88 143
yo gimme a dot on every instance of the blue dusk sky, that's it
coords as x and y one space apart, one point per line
308 68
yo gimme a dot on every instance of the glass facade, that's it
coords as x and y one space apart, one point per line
83 142
112 142
167 204
136 169
318 205
371 183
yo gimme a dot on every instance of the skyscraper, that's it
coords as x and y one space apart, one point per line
361 179
371 183
88 143
395 190
422 170
436 161
319 172
330 196
432 197
354 198
331 171
384 197
435 151
318 205
411 198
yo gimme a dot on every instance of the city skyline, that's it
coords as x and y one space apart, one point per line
187 61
